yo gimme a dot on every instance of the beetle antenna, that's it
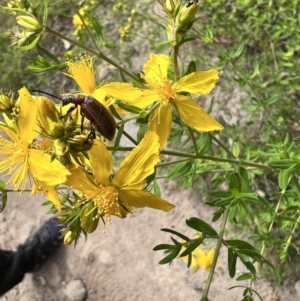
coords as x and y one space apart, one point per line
39 91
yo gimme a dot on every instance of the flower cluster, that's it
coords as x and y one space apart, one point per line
46 143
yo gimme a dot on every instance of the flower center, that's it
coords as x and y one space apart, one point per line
107 202
165 90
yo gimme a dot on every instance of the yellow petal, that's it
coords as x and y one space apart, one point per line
140 199
197 83
49 191
160 122
147 98
27 123
82 72
100 95
156 69
194 116
139 163
41 168
79 180
101 162
122 91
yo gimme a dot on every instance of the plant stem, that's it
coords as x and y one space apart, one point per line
211 158
222 145
216 255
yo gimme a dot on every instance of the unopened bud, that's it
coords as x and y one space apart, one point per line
30 23
186 15
6 104
172 7
89 218
68 238
60 147
80 143
57 130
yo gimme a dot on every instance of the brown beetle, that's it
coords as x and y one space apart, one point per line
100 117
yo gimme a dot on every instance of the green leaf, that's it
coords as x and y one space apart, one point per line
32 44
234 181
163 247
232 257
118 138
281 164
190 69
156 189
236 149
201 226
239 51
3 200
283 179
192 245
204 143
244 276
255 255
239 244
129 108
169 258
244 179
255 68
176 233
179 170
98 29
218 214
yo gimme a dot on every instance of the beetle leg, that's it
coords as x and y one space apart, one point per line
69 111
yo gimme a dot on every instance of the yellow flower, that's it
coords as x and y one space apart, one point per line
167 93
82 71
24 156
201 259
121 193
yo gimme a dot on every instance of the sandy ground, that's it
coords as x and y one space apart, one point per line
119 265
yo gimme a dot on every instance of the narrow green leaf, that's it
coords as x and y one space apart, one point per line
156 189
179 170
236 149
118 138
281 164
232 257
175 233
283 179
129 108
32 44
239 51
98 29
239 244
201 226
244 276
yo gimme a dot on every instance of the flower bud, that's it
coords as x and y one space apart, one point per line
80 143
48 117
68 238
60 147
89 218
6 104
186 15
172 7
57 130
30 23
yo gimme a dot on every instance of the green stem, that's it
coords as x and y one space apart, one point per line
216 255
211 158
227 150
193 139
98 54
